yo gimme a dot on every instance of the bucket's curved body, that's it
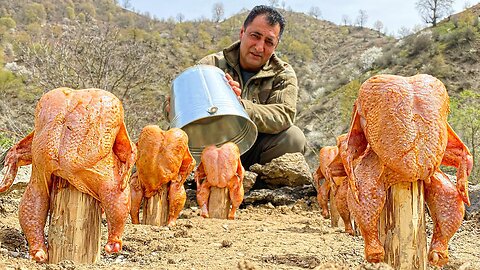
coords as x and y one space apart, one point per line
203 104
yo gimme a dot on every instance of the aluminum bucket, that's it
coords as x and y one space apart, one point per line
203 104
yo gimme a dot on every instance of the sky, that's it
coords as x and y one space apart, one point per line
394 14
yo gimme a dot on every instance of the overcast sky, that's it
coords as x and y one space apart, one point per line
392 13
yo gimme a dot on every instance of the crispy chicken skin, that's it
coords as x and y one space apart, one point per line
220 167
399 132
163 158
80 136
325 157
339 182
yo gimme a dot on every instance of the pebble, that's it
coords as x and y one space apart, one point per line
119 259
269 205
15 254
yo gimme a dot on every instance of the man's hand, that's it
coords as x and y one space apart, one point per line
234 85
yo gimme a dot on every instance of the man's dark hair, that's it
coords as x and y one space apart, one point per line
273 17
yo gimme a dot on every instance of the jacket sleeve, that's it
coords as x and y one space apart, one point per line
278 112
211 59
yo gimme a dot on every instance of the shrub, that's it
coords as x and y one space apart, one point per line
369 57
8 22
421 43
349 94
465 120
461 36
437 67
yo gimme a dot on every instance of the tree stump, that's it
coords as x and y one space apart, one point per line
218 203
402 227
335 219
155 208
74 232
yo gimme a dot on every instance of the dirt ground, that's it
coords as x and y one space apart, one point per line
262 237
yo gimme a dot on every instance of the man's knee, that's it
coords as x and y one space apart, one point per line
291 140
294 140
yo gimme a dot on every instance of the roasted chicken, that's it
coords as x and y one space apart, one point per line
163 158
80 136
222 168
399 132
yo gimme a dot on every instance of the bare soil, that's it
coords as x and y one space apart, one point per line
262 237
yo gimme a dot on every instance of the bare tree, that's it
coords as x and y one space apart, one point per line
315 12
378 25
99 56
126 4
89 55
404 31
218 11
467 5
362 18
346 20
432 11
180 17
273 3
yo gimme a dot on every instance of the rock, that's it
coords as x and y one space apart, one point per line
473 211
12 239
191 198
279 196
249 180
290 170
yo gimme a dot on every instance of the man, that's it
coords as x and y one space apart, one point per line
266 86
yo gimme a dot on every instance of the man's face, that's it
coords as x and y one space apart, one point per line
257 43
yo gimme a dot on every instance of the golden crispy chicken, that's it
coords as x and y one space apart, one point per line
399 132
220 167
336 172
325 157
163 157
81 137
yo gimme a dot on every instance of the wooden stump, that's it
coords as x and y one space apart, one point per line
74 232
155 208
335 219
218 203
402 227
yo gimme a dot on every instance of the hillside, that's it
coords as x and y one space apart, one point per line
145 54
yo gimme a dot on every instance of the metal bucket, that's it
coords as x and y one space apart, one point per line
203 104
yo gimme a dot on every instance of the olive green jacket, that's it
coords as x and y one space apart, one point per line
270 96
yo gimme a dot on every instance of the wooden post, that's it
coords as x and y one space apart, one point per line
402 227
155 208
218 203
334 215
74 232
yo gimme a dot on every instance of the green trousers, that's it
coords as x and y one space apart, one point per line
270 146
